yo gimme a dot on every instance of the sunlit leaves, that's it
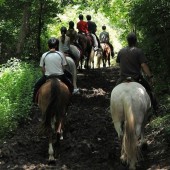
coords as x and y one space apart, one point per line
16 83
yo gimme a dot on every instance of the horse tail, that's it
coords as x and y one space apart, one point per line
53 108
129 143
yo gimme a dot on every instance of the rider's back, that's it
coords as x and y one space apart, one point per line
104 37
72 34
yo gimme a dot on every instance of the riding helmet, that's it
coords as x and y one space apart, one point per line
53 42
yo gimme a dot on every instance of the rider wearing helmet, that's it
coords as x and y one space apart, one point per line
52 64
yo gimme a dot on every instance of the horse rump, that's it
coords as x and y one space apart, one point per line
53 99
129 105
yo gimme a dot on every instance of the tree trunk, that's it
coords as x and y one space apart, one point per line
39 28
24 28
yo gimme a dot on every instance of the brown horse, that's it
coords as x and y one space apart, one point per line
106 54
53 100
86 42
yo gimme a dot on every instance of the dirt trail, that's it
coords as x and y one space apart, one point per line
90 141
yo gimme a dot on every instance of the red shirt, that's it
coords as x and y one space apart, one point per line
82 26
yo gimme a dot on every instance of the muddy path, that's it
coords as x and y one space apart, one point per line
90 141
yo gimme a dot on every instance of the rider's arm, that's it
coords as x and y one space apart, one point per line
43 70
108 37
42 65
146 70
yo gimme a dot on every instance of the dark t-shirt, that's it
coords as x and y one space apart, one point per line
72 34
104 37
130 59
92 26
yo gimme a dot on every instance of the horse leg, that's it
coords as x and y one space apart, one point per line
109 60
118 128
132 165
143 143
50 149
97 64
104 63
86 65
81 63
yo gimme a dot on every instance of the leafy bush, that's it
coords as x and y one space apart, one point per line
16 83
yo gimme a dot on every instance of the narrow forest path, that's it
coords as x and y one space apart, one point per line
90 141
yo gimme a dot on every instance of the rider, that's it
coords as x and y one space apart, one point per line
92 28
105 38
52 64
132 60
64 41
82 25
72 33
64 47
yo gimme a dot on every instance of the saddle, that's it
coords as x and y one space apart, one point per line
128 80
90 38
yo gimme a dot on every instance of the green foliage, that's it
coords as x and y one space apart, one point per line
162 122
152 22
37 15
16 84
2 2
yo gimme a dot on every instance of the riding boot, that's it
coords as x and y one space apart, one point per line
112 50
97 40
37 86
68 82
154 103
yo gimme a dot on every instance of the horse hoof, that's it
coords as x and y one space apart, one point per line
76 91
144 146
52 162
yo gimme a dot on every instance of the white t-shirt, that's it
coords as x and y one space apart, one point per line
66 46
54 63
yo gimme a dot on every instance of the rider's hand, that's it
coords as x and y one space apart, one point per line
151 80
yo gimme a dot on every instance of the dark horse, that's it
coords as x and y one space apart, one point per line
86 42
106 53
53 100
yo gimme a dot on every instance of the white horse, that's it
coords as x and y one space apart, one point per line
129 105
91 58
98 57
71 67
76 53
